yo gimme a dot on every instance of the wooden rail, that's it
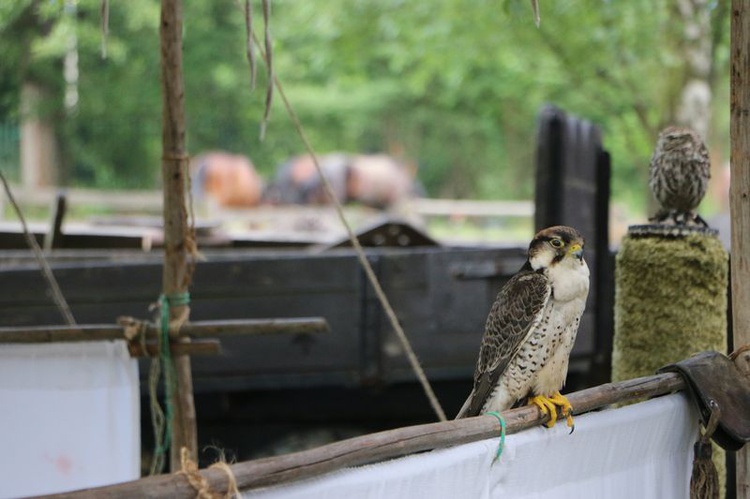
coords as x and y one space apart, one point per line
150 201
197 329
472 208
380 446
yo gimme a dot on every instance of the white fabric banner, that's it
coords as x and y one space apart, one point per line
643 450
69 417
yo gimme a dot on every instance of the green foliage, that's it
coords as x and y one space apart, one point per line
455 86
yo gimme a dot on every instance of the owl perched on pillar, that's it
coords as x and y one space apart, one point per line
679 174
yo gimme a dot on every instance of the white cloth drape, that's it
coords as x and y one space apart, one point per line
643 450
69 417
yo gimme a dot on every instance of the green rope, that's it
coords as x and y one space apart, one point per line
164 440
157 416
502 433
177 299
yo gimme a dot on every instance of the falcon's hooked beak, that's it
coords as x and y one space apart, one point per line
576 250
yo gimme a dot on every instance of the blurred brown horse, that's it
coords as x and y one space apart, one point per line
228 180
376 180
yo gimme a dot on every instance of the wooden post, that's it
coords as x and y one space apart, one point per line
177 238
739 196
53 238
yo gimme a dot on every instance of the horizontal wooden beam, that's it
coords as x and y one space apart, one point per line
198 329
121 200
152 201
380 446
197 347
238 327
472 208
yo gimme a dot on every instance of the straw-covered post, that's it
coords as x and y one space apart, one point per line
670 298
178 239
670 301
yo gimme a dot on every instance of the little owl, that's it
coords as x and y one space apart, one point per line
679 174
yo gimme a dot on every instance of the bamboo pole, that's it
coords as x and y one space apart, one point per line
380 446
177 237
739 199
198 329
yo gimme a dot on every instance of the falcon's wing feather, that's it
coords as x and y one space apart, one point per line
516 310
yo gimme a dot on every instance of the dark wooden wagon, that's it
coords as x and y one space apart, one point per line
357 374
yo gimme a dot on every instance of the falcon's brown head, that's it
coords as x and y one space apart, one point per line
554 245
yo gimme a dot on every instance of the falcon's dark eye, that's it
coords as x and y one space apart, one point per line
556 243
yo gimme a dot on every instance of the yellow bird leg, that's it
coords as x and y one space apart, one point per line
549 405
562 401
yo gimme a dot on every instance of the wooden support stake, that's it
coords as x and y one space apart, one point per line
739 199
380 446
177 237
53 238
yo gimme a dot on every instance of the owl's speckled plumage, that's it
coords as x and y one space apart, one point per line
679 174
532 325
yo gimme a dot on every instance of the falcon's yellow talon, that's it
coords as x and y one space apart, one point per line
549 405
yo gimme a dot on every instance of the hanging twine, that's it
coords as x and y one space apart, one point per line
54 287
162 420
135 332
265 50
366 266
104 26
157 417
704 481
200 484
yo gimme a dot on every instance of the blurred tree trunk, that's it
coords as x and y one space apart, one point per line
39 101
694 105
694 90
39 145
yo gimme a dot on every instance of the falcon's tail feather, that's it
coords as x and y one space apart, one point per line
464 411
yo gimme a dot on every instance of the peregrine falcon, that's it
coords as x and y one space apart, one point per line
531 329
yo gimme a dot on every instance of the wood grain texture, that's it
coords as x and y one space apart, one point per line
178 238
739 198
198 329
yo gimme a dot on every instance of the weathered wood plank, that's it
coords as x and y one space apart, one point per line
739 199
198 347
472 208
198 329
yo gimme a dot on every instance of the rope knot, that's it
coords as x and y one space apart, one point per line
200 484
